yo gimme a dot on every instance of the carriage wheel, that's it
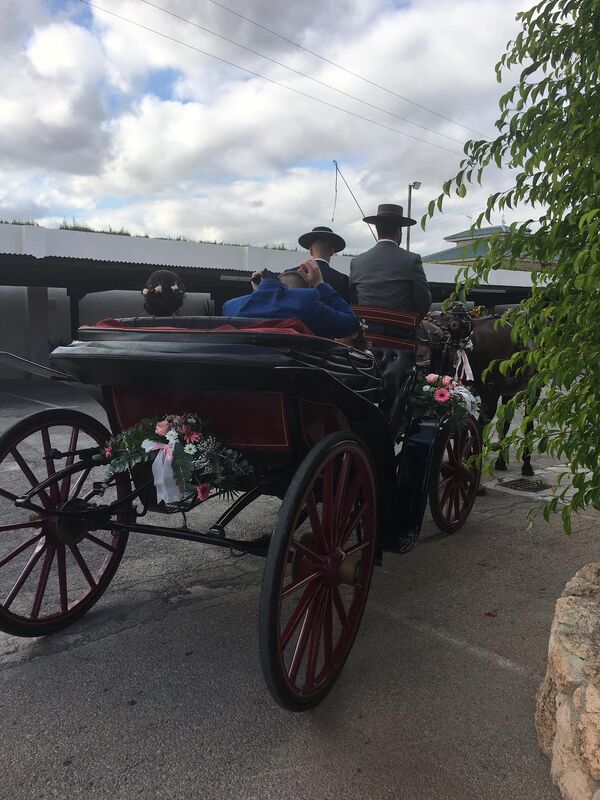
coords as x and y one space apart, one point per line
52 572
318 571
454 482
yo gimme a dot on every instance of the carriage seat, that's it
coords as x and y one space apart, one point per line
393 336
398 369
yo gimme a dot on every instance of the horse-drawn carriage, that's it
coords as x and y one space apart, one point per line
325 428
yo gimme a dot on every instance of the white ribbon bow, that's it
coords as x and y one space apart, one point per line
463 367
162 471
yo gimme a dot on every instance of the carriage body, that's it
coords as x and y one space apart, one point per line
326 428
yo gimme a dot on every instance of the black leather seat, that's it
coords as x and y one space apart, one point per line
398 368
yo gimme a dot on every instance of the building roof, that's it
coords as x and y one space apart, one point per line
458 253
477 234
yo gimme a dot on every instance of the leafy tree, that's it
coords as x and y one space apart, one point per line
549 135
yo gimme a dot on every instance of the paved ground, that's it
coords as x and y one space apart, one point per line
157 692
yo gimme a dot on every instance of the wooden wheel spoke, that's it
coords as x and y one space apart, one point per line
65 485
27 569
353 522
339 607
340 491
357 548
328 510
50 469
44 499
298 613
79 483
351 496
8 495
62 576
450 451
463 493
315 641
293 587
297 544
100 542
308 623
18 526
43 581
17 550
313 515
466 447
82 565
446 494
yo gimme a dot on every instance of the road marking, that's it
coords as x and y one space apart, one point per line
30 400
481 653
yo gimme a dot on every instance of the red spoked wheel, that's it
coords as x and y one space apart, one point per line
52 571
318 571
454 477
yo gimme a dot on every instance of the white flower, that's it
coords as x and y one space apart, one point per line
190 448
172 437
428 388
174 288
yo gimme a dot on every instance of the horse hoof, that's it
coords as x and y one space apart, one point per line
500 465
527 470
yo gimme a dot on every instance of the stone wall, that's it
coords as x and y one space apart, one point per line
568 701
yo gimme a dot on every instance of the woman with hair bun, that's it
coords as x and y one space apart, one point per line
163 294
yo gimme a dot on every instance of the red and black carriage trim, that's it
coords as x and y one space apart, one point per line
327 429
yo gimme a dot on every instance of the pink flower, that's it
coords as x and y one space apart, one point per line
162 428
145 291
203 491
158 288
192 437
108 451
431 378
446 380
441 395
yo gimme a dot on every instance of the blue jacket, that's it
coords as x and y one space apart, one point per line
321 309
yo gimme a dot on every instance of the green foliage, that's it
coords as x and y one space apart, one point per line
549 136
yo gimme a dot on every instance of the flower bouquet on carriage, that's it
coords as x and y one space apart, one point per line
442 396
188 463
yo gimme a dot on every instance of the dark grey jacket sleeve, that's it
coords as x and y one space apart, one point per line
420 288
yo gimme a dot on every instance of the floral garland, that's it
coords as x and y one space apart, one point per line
441 395
187 461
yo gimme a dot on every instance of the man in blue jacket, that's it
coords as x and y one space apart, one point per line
302 294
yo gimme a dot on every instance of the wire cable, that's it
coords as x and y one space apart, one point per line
299 72
338 170
345 69
270 80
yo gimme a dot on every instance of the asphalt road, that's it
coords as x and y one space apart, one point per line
158 693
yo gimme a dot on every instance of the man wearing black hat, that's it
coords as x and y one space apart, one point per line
387 275
322 243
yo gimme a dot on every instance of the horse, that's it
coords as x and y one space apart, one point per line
484 340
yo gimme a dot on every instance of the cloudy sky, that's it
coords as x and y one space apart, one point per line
111 124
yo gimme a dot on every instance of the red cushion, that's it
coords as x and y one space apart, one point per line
291 326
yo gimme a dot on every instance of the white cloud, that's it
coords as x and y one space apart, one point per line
89 127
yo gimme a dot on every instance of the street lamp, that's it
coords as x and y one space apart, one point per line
411 186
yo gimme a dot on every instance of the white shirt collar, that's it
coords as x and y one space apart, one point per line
388 240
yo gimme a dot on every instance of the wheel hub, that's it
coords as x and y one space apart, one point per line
332 573
72 530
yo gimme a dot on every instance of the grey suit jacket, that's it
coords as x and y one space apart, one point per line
390 277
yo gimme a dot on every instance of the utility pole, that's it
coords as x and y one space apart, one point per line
414 185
